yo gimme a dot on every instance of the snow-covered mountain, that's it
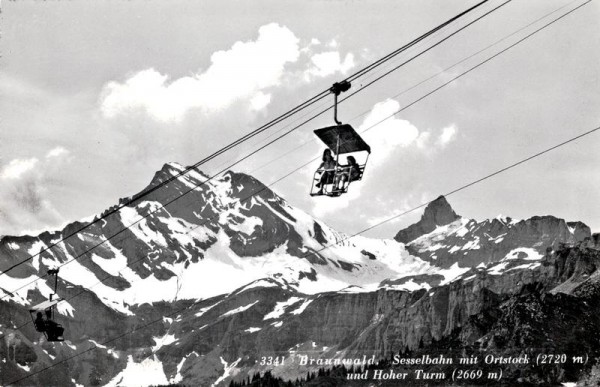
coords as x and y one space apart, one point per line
234 226
231 272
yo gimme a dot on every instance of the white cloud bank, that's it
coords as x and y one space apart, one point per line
57 152
243 73
448 134
24 206
240 72
387 134
328 63
17 167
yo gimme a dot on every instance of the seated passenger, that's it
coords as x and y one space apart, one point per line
53 330
328 168
350 172
40 324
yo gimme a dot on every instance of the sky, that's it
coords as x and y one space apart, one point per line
96 96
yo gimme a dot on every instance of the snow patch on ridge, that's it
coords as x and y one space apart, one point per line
302 307
280 308
248 225
136 222
239 310
146 373
530 254
409 285
162 341
452 273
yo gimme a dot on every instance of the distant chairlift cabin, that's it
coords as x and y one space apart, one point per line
42 314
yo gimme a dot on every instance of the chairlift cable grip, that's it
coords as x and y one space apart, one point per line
337 89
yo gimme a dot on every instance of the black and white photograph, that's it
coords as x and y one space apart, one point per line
299 193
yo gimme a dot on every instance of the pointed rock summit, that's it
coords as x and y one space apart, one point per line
437 213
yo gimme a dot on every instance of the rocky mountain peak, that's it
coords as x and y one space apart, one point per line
437 213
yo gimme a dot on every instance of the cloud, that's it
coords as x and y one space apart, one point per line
385 133
423 140
17 167
260 101
328 63
241 74
238 73
448 134
24 191
57 152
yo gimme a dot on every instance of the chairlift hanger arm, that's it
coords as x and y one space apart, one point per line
337 89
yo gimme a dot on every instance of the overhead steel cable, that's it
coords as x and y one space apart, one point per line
188 169
444 84
419 84
486 177
479 64
244 138
398 66
403 64
396 52
463 187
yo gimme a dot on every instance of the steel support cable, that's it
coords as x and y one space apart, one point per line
315 99
407 48
394 53
369 75
319 106
411 88
369 84
461 188
480 64
162 206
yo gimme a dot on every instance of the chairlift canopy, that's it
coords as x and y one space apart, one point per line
349 140
44 305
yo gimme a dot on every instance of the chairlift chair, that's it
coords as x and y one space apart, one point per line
341 139
42 315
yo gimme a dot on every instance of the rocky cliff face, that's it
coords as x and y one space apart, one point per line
200 291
